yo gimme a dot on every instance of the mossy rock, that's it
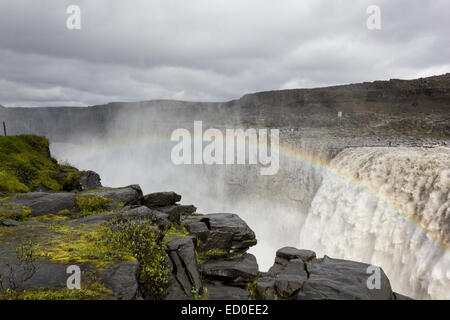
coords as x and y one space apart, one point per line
26 165
14 211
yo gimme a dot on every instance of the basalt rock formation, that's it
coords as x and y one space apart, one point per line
207 254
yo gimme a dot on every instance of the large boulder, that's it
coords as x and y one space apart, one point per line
227 232
342 279
43 203
123 280
89 180
181 252
176 211
130 195
284 280
240 270
289 253
161 199
48 275
297 274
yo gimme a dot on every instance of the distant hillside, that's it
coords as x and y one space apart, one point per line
417 103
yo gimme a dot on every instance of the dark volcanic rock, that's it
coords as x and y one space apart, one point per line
14 223
184 267
284 255
174 289
176 211
162 220
198 229
341 279
43 203
48 275
139 212
161 199
227 232
265 288
238 271
219 291
10 223
288 277
127 195
90 180
122 279
288 284
131 214
289 253
309 279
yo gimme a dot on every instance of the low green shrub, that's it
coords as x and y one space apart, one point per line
92 204
138 238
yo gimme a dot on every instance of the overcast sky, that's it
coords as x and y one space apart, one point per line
210 50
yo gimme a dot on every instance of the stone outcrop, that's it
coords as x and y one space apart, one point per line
89 180
127 195
299 275
161 199
221 231
207 256
44 203
123 280
185 278
241 270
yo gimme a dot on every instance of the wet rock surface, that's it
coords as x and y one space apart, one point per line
89 180
185 274
207 258
242 270
123 280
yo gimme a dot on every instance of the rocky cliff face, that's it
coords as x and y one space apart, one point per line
207 255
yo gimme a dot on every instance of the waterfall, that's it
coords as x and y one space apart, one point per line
388 207
367 204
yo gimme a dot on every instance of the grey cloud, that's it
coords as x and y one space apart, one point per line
209 50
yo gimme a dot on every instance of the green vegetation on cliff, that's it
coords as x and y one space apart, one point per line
26 164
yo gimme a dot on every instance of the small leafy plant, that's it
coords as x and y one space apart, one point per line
22 271
138 238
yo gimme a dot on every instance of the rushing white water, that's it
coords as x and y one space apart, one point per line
401 224
308 207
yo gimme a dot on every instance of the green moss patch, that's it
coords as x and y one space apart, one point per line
91 291
175 231
26 164
9 210
81 244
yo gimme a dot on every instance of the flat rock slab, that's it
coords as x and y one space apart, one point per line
289 253
44 203
342 279
240 270
132 214
127 195
161 199
219 291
